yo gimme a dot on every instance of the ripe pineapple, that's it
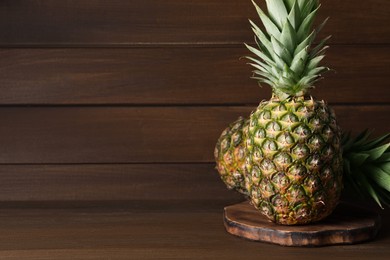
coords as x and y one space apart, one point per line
366 164
291 144
230 154
294 159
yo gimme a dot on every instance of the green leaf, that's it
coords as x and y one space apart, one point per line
376 153
262 37
262 80
365 185
270 27
385 167
265 68
260 54
320 52
277 11
314 62
305 43
265 75
384 158
281 51
316 50
295 15
380 177
308 80
288 77
316 71
357 159
384 196
288 72
289 4
306 25
288 37
296 64
321 26
362 137
263 49
302 3
375 142
307 6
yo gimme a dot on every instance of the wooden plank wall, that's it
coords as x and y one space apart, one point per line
123 100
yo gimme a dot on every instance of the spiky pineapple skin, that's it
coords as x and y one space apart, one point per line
294 161
230 155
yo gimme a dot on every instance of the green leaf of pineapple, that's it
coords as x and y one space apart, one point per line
262 37
270 27
319 48
277 11
288 37
384 158
305 43
321 26
289 4
306 25
281 51
362 137
376 153
379 176
308 80
295 15
259 54
364 184
299 61
263 68
375 142
307 6
357 159
385 167
317 71
313 63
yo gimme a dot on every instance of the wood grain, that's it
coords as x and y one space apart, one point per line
348 224
174 76
99 22
149 234
134 134
99 184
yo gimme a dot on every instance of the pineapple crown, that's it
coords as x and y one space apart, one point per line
367 166
285 59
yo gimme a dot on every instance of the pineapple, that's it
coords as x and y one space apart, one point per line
287 157
366 164
230 154
294 159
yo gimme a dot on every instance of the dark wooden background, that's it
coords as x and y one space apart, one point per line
120 101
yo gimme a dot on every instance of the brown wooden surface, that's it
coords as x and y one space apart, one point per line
113 182
184 232
174 21
347 224
175 76
132 134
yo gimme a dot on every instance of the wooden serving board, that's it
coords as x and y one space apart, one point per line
347 225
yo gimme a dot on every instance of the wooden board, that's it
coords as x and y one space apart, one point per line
102 184
150 233
100 22
347 225
134 134
178 76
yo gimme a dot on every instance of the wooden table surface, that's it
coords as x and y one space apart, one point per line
159 231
